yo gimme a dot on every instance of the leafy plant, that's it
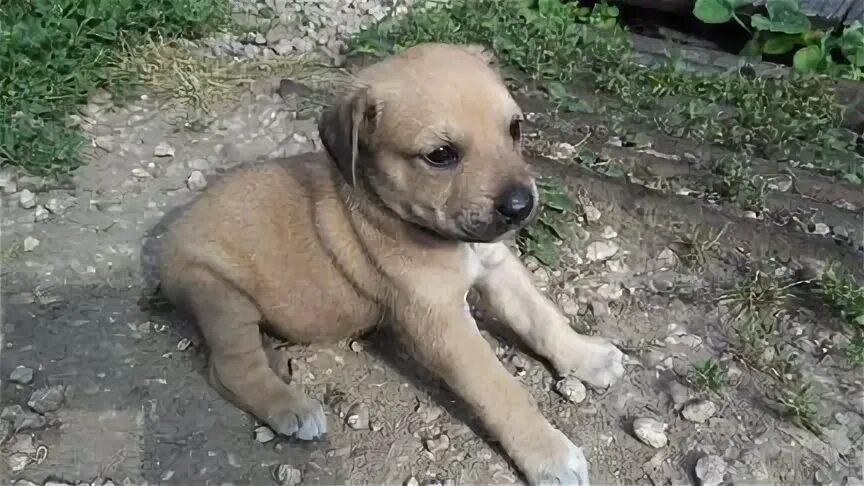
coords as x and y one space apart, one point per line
540 239
785 28
855 351
709 376
740 185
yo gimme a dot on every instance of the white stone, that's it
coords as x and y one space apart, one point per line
601 250
27 199
571 389
651 432
30 243
699 411
196 181
710 470
163 150
591 214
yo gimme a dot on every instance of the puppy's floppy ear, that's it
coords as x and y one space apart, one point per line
482 52
341 126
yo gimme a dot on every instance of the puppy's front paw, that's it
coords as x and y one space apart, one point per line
596 361
304 419
560 462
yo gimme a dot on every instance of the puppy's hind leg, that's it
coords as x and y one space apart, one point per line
239 368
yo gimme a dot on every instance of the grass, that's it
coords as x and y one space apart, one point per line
740 185
763 295
709 376
175 74
699 246
562 43
799 403
54 53
855 351
842 292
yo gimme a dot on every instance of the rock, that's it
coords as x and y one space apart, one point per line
23 419
54 206
284 47
30 244
609 233
42 213
438 444
650 431
27 199
699 411
667 259
357 417
821 229
47 399
591 214
356 346
710 470
196 181
104 142
22 375
140 173
610 291
571 389
288 475
163 150
601 250
264 434
429 413
564 151
617 266
18 461
412 481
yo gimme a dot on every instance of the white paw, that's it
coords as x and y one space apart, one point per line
305 420
595 361
563 464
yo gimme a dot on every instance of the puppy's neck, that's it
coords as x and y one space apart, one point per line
371 215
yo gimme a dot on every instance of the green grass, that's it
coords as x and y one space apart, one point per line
53 53
840 289
562 43
855 351
709 376
699 246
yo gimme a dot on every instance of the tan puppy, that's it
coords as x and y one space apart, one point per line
423 176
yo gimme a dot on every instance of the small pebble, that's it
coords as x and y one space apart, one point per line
288 475
571 389
591 214
140 173
357 417
710 470
821 229
601 250
356 346
42 213
47 399
609 233
30 243
438 444
163 150
27 199
196 181
21 375
651 432
412 481
264 434
699 411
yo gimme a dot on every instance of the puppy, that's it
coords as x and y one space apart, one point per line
421 180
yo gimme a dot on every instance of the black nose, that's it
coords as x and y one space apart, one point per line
516 204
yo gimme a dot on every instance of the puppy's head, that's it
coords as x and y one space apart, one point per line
434 135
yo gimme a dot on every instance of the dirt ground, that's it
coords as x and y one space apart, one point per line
78 309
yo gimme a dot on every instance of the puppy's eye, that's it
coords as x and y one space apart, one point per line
443 156
516 128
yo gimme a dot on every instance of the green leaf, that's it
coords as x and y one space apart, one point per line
713 11
558 201
783 16
852 45
780 44
807 59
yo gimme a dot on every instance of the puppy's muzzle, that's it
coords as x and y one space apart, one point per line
515 205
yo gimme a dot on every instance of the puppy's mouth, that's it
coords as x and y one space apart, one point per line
490 229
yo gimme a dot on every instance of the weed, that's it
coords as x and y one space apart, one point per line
541 238
710 377
53 53
699 246
756 114
740 185
761 297
799 402
840 289
855 351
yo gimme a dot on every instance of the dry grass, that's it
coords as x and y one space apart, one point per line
197 83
